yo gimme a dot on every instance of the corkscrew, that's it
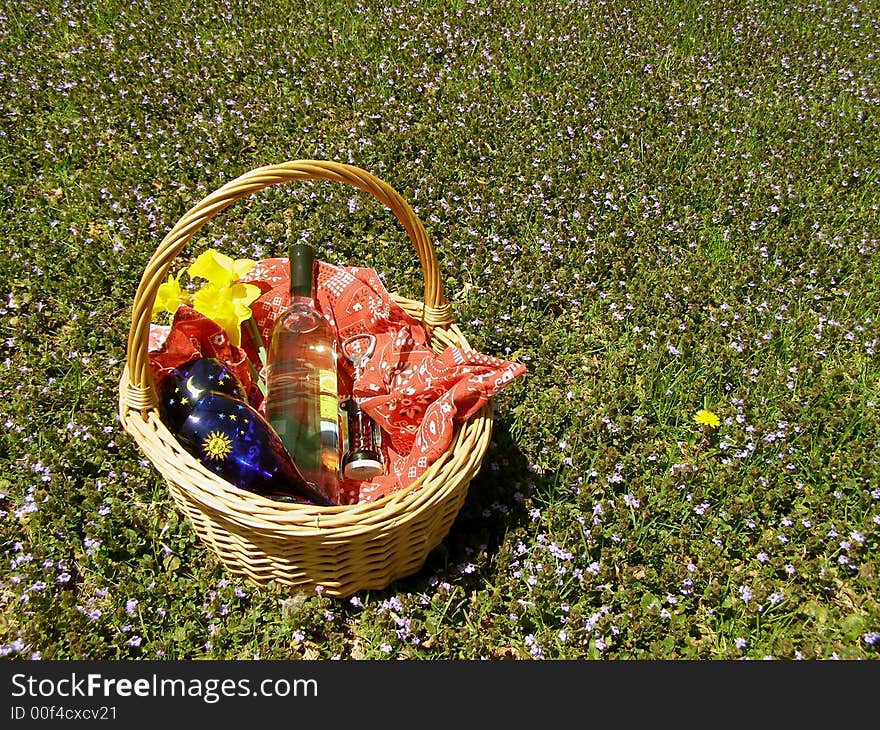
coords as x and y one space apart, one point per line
360 356
362 454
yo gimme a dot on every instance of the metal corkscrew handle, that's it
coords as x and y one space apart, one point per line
360 357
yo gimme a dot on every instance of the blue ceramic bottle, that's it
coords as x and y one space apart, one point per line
203 405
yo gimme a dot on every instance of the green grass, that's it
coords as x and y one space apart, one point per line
658 208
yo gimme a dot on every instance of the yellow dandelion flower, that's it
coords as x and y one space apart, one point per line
707 418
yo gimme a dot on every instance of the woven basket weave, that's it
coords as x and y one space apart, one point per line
342 549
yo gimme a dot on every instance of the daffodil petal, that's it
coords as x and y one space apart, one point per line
168 296
232 327
211 300
240 267
246 293
214 266
227 306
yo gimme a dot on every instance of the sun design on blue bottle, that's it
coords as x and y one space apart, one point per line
217 445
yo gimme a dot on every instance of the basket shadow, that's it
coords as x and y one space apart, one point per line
494 506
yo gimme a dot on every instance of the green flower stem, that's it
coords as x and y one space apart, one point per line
261 351
256 376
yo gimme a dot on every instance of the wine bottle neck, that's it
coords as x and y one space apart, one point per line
302 300
302 263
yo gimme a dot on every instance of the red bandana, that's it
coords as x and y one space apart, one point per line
416 396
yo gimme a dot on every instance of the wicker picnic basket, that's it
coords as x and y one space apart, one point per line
342 549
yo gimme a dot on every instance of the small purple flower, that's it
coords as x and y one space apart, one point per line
392 604
91 545
741 643
534 648
16 646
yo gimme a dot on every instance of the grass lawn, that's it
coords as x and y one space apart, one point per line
658 208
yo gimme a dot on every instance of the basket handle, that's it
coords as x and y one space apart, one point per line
437 310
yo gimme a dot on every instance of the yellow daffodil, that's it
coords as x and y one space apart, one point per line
218 268
707 418
222 299
227 305
170 296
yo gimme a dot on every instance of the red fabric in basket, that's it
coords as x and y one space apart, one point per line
416 396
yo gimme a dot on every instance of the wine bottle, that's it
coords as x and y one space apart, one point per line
228 436
302 399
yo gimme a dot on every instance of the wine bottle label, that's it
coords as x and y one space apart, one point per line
329 408
329 401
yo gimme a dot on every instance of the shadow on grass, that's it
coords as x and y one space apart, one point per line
496 505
